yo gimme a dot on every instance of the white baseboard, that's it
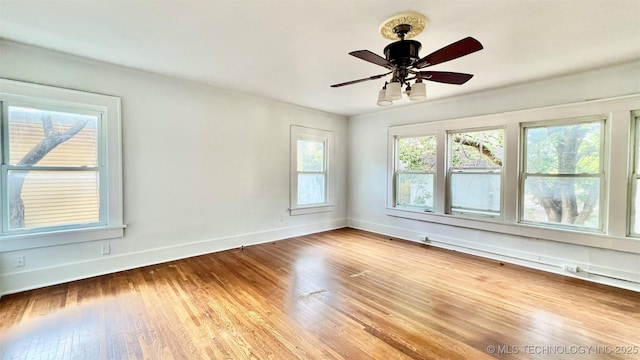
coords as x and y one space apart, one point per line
41 277
590 272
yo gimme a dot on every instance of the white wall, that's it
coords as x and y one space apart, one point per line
368 175
204 169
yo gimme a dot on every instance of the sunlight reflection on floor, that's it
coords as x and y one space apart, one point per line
72 332
310 289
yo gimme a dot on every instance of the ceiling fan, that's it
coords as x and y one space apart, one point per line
402 60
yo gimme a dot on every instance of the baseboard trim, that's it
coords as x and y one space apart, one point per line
41 277
598 274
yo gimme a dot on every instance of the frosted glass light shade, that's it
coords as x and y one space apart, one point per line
381 99
418 91
394 91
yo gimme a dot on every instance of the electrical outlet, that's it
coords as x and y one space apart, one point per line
20 261
106 249
571 268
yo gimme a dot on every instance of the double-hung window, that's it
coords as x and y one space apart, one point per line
61 166
563 174
51 168
475 172
568 173
415 171
310 180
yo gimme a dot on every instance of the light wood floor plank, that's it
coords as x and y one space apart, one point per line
343 294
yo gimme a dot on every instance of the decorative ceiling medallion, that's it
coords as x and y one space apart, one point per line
417 21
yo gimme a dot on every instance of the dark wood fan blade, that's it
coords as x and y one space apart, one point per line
367 55
445 77
360 80
458 49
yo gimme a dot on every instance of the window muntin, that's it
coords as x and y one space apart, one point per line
415 172
475 172
563 177
51 168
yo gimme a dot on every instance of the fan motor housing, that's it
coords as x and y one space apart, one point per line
403 53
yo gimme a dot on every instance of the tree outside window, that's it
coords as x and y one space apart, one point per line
51 168
415 172
475 172
563 174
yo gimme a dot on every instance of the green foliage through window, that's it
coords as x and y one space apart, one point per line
415 172
563 174
417 153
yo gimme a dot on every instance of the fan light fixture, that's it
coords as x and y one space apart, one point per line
394 91
382 97
418 91
402 61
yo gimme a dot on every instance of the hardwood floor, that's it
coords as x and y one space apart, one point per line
343 294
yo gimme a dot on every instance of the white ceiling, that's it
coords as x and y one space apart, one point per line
293 50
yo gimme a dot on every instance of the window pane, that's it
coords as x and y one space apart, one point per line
417 153
473 191
477 149
636 204
310 156
52 198
50 138
637 141
415 190
562 200
311 189
635 222
570 149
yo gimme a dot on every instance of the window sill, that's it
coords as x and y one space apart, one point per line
62 237
311 209
585 238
